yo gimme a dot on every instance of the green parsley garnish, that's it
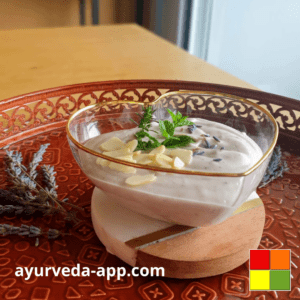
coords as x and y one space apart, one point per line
166 128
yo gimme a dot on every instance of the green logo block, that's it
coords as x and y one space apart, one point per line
280 280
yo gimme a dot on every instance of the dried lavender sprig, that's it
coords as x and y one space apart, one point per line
28 209
14 169
54 199
13 162
54 233
49 179
37 158
30 231
72 216
16 209
26 181
275 161
275 169
26 193
13 197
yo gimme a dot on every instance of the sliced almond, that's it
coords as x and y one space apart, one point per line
167 151
163 157
136 153
162 160
178 163
112 144
127 158
160 149
118 153
183 154
140 179
132 145
122 168
144 157
102 162
146 162
162 163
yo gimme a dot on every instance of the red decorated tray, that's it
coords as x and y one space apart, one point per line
30 120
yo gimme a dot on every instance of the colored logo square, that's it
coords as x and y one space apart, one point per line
280 280
259 259
259 280
278 275
280 259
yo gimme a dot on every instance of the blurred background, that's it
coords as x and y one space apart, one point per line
257 41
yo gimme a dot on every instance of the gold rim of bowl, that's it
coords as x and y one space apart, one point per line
176 171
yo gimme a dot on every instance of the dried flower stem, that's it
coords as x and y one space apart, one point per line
49 176
47 192
37 158
30 231
28 192
275 169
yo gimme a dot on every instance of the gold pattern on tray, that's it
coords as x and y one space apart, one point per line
57 104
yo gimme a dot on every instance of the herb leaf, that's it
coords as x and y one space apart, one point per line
145 122
178 141
178 119
184 122
143 145
174 117
166 128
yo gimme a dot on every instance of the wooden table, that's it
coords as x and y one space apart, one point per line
36 59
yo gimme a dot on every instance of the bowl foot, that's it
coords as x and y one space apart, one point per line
183 251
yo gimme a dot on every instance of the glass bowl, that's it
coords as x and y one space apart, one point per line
184 196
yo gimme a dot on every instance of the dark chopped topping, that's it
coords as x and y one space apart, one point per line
198 152
216 139
207 144
217 159
222 148
192 128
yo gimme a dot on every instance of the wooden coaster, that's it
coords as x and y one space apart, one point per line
183 251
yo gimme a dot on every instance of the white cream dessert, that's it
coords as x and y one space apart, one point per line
186 199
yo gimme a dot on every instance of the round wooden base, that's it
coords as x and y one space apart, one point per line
183 251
